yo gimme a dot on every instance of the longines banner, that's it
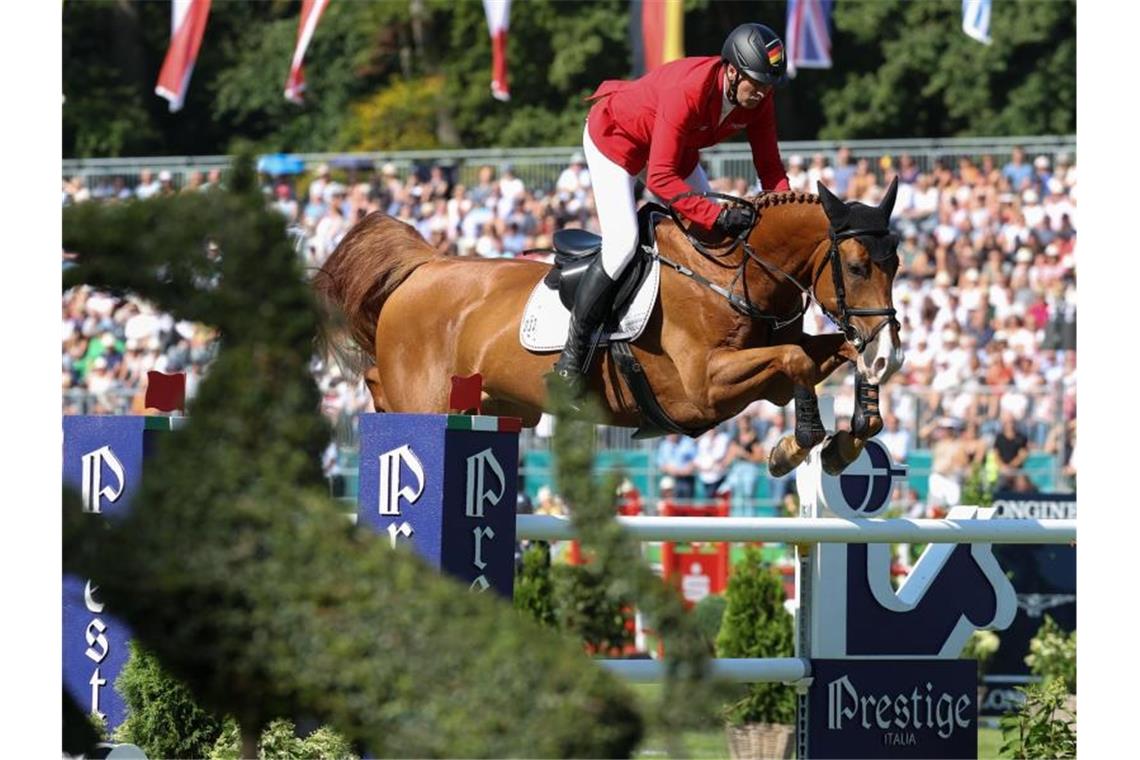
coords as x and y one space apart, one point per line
1045 578
893 709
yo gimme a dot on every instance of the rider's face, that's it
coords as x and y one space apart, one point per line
751 93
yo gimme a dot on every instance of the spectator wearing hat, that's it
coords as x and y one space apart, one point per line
165 183
573 183
798 180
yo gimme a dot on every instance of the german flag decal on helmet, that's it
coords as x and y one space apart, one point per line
775 52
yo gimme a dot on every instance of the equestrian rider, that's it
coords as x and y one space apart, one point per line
654 127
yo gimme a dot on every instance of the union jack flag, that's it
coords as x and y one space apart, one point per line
808 34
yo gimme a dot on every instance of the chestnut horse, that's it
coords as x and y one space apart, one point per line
420 318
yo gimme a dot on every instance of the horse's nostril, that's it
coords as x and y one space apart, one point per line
880 364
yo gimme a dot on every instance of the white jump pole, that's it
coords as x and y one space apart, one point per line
739 670
815 530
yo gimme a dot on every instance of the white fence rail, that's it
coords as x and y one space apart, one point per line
816 530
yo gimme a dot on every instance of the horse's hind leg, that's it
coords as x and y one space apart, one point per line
372 380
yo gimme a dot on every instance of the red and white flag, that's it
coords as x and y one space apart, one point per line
187 23
311 11
499 19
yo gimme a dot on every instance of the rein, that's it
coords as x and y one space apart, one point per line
744 304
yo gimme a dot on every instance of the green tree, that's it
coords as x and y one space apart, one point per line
910 63
240 574
755 624
162 717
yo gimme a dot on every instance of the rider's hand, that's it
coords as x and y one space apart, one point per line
734 221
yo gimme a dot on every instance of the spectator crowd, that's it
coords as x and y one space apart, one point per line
986 295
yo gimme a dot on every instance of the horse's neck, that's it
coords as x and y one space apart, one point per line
791 237
788 236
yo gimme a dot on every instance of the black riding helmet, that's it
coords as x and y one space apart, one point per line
758 53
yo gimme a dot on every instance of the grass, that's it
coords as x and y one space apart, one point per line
710 741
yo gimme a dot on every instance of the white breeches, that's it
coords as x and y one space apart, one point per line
617 209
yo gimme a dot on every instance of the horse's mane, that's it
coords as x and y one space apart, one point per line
768 200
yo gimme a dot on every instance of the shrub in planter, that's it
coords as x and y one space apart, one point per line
756 624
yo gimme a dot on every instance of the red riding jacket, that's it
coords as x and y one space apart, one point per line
664 118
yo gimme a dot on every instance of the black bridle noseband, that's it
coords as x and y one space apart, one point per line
743 304
842 320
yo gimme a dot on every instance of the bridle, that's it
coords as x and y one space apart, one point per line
841 318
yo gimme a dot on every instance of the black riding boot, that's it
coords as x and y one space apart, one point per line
592 303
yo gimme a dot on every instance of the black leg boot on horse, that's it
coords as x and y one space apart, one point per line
592 302
793 449
866 422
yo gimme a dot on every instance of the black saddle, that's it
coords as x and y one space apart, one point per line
575 249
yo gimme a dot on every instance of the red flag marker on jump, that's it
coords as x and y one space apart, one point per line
466 393
165 392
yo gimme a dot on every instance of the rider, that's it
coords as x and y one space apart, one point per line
654 127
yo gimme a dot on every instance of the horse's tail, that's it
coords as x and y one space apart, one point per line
371 261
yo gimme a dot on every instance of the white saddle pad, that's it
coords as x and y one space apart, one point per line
546 321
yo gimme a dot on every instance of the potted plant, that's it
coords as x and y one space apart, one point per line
756 624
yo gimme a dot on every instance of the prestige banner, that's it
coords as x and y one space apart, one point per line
893 709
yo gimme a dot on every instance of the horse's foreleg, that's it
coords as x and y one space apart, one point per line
809 431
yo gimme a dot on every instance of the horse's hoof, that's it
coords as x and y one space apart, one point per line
786 456
840 451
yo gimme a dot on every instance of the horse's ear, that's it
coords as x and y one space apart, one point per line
888 203
835 209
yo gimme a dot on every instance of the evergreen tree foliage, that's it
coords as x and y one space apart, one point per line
756 624
687 696
240 574
162 717
587 608
534 587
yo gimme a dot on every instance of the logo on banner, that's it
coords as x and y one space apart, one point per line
864 488
392 488
478 495
93 489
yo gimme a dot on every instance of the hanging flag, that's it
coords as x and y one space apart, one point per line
976 20
187 23
808 34
311 11
499 20
165 392
657 33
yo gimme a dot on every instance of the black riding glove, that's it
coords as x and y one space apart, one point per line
734 221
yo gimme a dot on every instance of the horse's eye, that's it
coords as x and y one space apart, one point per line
857 269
